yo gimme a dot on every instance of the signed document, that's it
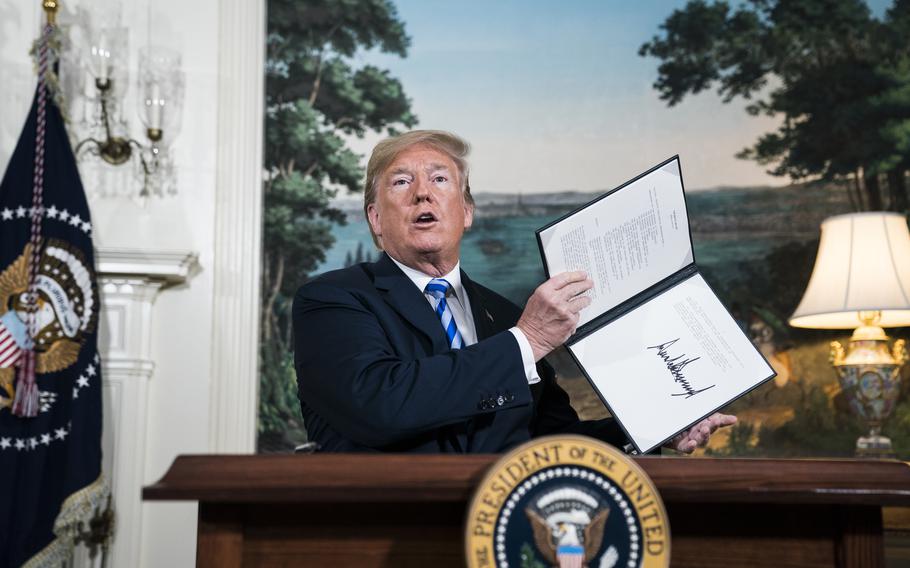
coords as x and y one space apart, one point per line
627 241
659 347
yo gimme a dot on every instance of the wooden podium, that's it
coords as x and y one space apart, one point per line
408 511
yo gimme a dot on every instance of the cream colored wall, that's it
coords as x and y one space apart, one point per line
197 401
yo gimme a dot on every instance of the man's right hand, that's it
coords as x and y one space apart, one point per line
551 314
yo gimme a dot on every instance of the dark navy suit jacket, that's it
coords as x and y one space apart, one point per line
374 371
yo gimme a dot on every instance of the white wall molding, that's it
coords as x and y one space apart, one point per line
129 282
172 267
238 226
130 368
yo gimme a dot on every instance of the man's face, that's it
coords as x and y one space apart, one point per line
420 212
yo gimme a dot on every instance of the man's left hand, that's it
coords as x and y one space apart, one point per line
697 436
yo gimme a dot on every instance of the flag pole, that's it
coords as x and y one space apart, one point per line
50 445
26 401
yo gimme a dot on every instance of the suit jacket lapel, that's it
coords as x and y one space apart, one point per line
400 293
483 320
485 323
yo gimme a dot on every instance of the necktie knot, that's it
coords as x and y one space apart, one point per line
438 288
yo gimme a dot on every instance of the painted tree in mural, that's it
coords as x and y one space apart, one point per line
316 97
837 77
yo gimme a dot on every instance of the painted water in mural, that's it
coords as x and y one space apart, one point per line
729 227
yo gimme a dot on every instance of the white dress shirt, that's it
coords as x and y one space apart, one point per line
461 311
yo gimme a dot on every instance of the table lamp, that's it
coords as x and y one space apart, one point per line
861 281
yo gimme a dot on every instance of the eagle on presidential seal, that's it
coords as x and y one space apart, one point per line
66 312
568 525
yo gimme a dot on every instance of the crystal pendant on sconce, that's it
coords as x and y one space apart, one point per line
155 172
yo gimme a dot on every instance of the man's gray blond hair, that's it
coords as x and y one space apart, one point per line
386 151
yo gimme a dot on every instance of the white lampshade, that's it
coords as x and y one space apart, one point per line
863 264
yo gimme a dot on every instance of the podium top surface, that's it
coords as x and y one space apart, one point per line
384 478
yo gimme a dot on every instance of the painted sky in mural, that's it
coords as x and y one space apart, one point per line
554 96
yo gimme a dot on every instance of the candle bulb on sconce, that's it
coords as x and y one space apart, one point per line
101 62
155 107
155 104
100 65
103 70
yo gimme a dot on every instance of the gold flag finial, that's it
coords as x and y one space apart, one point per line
50 8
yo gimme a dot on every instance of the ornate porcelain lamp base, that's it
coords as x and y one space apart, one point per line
869 376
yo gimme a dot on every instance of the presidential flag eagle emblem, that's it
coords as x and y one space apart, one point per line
66 312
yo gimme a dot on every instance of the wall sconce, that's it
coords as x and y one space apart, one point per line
160 100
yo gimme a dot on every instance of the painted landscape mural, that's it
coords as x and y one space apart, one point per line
562 103
758 259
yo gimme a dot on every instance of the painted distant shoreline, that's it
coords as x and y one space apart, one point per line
795 210
496 204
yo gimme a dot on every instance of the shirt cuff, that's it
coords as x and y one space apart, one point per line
527 356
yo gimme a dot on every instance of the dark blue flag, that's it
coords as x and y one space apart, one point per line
50 463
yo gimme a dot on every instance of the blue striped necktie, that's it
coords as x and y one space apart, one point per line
438 288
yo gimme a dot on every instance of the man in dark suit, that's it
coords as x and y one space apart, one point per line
408 354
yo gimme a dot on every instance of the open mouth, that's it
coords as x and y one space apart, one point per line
425 219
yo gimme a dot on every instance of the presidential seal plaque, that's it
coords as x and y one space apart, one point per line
566 502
